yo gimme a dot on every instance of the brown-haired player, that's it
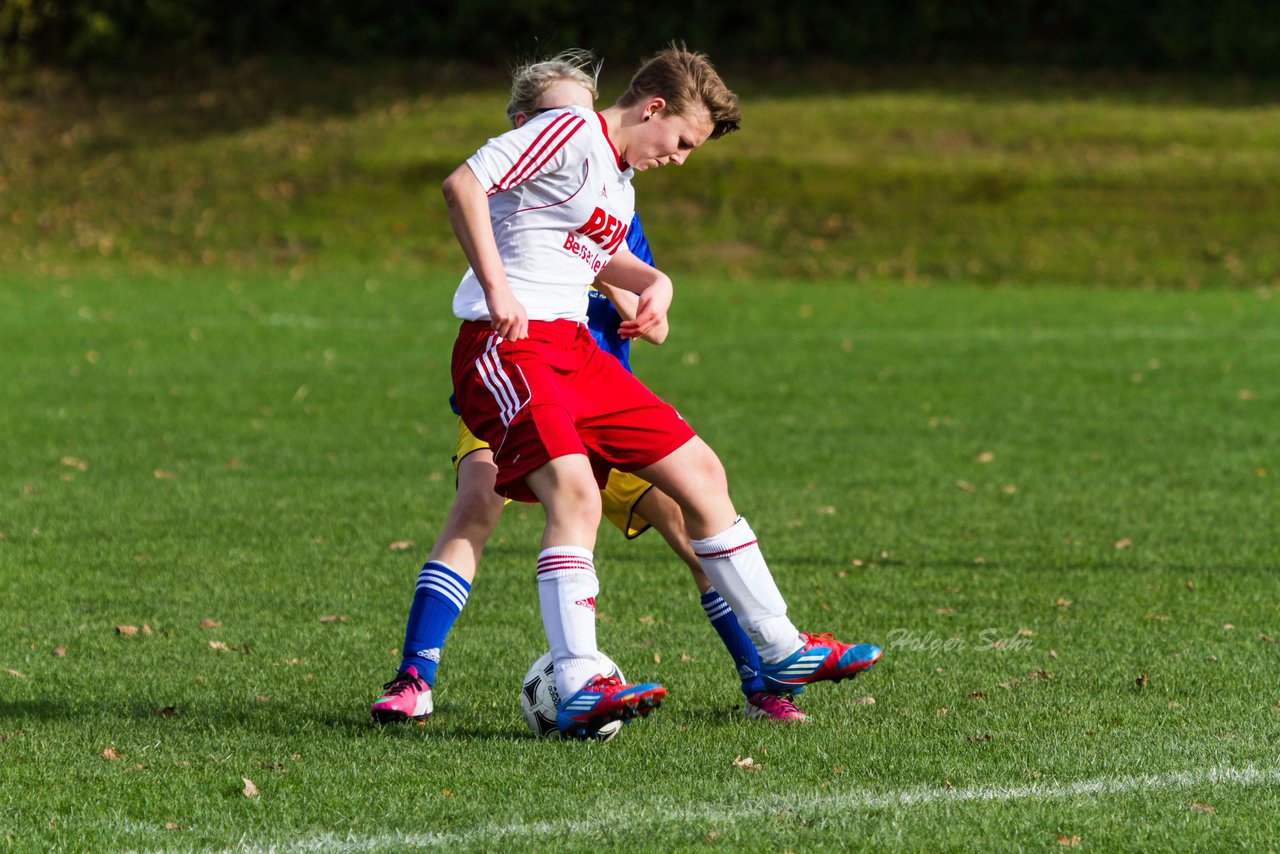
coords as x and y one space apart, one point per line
541 213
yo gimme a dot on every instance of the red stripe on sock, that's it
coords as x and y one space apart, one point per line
567 563
726 552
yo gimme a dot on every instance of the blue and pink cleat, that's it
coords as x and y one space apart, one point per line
605 699
821 658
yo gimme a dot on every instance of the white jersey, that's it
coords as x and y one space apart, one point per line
560 200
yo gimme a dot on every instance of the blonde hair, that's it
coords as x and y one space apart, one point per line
685 80
529 81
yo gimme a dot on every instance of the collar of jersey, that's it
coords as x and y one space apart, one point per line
623 165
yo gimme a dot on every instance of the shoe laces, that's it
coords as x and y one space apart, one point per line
402 682
601 682
779 705
786 704
825 636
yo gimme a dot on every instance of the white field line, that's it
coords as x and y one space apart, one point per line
493 834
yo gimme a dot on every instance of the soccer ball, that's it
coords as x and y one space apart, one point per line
539 698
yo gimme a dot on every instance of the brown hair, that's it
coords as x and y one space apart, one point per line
685 80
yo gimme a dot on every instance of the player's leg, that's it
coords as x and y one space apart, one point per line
444 584
634 505
567 589
730 555
724 546
523 397
567 585
655 507
566 487
473 516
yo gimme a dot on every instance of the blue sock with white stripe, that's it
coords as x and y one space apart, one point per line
740 647
437 602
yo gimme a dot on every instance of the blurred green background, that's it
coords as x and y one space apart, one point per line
1025 142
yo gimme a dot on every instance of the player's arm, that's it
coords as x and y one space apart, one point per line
469 215
651 286
626 304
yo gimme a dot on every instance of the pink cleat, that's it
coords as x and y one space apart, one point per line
763 706
407 698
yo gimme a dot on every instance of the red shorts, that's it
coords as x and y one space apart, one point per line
554 394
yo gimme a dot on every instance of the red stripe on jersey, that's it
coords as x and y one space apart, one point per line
623 165
553 137
535 168
585 175
726 552
551 128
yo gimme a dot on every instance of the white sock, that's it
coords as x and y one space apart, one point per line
733 562
567 589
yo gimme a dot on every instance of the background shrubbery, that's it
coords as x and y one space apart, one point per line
1228 35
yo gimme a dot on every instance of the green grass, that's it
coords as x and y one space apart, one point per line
224 334
1087 476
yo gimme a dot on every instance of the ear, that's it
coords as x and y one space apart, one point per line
519 119
652 107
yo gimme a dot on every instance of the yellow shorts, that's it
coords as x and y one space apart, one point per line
619 496
467 444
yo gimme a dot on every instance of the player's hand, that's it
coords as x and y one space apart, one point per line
641 326
510 319
651 312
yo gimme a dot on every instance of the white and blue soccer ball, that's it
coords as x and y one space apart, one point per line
539 698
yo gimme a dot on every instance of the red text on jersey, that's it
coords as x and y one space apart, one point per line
582 249
605 229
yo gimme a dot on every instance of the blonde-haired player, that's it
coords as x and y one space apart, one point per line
630 503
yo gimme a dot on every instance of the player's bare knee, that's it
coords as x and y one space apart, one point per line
580 501
477 500
662 511
570 497
707 472
480 520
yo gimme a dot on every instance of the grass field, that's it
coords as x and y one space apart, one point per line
1086 478
223 372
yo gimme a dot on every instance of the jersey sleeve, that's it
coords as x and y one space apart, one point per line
545 144
637 242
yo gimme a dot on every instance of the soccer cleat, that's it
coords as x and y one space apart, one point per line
821 658
763 706
407 698
602 700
